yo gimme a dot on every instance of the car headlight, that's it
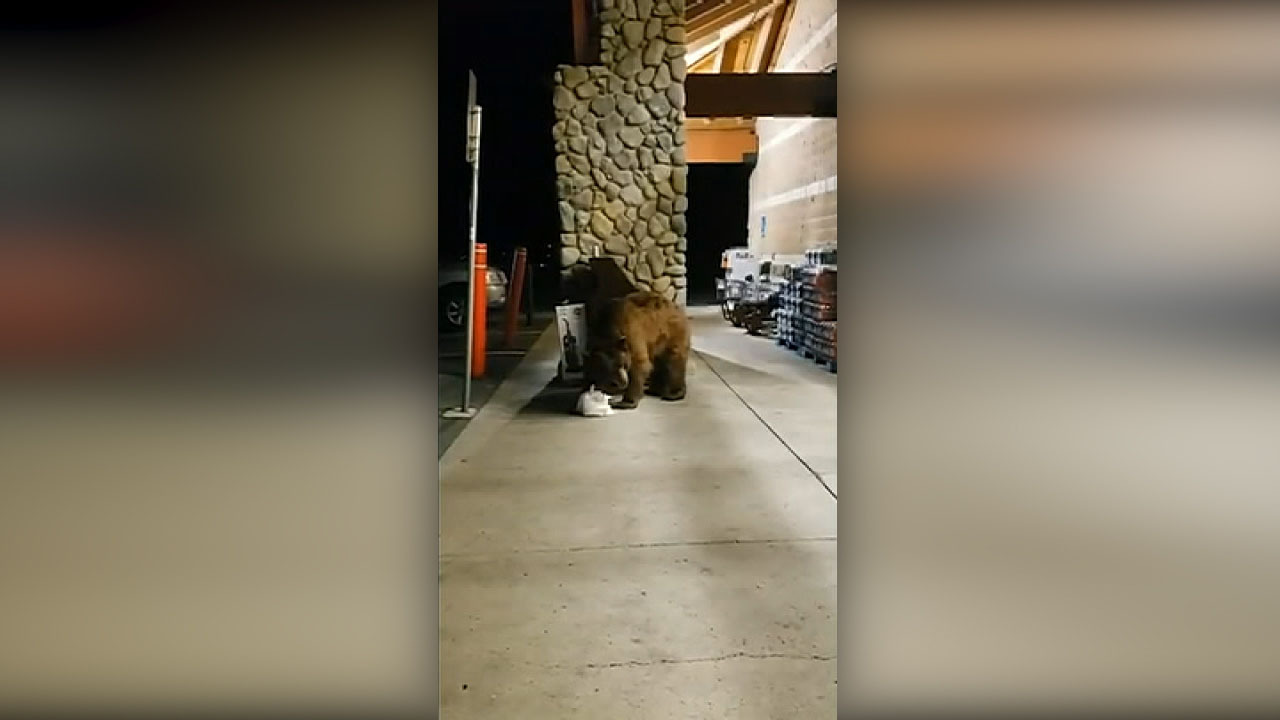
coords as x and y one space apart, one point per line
496 277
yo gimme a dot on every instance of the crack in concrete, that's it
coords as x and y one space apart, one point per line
634 546
817 476
718 658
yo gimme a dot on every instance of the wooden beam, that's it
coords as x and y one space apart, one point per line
762 36
708 22
715 43
586 42
750 39
742 54
720 145
730 53
774 50
696 10
717 61
761 95
736 51
703 66
711 42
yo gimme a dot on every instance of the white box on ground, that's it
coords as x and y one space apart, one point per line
571 324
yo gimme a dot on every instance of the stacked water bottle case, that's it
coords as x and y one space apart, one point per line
806 316
787 328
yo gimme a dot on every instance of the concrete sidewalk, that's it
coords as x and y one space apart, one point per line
674 561
501 360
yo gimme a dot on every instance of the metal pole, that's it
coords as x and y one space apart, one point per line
473 151
473 156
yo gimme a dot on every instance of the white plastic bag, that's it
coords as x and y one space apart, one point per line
593 403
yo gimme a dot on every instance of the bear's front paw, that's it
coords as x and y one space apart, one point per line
624 404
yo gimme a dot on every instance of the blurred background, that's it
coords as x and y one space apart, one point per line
217 237
1060 409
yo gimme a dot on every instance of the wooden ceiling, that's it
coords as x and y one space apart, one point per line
738 37
735 36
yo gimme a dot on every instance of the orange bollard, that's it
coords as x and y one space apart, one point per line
514 291
481 304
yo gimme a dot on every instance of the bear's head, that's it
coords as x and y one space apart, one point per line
608 365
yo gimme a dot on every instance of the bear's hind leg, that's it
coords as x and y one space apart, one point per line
657 384
673 365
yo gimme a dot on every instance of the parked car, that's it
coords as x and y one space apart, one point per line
453 282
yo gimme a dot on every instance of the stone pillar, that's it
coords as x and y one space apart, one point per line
620 148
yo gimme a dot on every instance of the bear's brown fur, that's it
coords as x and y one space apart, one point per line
639 343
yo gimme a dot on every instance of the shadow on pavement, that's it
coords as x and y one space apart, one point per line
555 399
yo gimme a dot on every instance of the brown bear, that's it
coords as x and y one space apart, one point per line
638 343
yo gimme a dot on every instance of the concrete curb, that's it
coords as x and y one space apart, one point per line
523 384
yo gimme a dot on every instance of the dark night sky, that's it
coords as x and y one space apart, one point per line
513 47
